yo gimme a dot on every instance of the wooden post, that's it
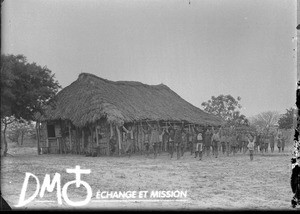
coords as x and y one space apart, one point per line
70 138
63 144
111 135
137 137
47 140
143 139
119 139
90 139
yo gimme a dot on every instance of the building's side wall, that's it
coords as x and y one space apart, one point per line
69 139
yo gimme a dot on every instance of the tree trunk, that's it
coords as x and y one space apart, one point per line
119 139
6 122
111 134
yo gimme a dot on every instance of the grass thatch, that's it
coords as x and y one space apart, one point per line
90 98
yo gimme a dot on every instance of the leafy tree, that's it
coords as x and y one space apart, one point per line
226 107
25 89
286 120
265 121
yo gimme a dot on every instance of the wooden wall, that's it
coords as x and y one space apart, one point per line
85 141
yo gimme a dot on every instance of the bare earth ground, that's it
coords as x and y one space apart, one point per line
213 183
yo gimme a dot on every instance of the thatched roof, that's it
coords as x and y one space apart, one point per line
90 98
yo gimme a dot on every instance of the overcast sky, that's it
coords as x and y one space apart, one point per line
208 47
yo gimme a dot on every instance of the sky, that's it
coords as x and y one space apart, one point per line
199 49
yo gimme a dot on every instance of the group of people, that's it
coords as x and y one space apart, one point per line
200 140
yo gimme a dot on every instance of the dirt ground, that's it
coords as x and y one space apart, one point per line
223 183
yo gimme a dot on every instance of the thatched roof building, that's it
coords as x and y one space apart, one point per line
87 116
91 98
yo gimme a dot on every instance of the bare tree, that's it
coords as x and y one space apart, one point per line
265 120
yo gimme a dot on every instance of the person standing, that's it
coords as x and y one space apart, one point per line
223 139
198 136
207 137
154 139
279 140
240 141
215 139
178 141
147 134
171 141
257 141
267 142
272 141
284 139
245 141
199 145
228 142
262 143
112 144
212 146
234 142
195 133
190 137
166 140
184 136
250 146
160 143
129 140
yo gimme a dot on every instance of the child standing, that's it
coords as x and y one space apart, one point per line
250 146
199 145
223 140
147 134
184 142
191 136
234 143
129 140
171 141
207 137
166 140
272 141
154 138
178 141
267 142
228 143
160 143
215 139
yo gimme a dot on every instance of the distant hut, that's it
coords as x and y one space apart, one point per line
89 111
